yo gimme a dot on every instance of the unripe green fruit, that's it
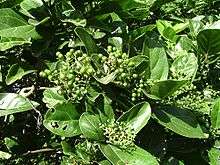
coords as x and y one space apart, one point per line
42 74
131 64
70 83
60 56
90 71
70 76
68 54
62 76
123 75
134 94
50 77
109 48
47 71
56 82
141 85
135 75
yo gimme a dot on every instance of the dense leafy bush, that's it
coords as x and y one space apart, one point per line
109 82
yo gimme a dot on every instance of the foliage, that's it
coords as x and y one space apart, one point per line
109 82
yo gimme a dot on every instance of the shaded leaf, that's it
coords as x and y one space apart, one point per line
90 126
214 156
16 72
63 120
87 39
52 98
120 157
11 103
215 115
138 116
180 121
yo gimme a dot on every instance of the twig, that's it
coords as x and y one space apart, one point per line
39 151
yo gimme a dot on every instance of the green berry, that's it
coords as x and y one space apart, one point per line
62 76
109 48
42 74
47 71
135 75
50 77
70 76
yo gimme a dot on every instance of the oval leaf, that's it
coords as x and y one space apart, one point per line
11 103
180 121
52 98
138 116
90 126
138 156
215 115
15 73
63 120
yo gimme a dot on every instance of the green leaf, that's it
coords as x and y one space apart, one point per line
163 89
63 120
16 72
120 157
67 149
136 9
157 59
166 30
13 25
185 66
180 121
90 126
104 162
52 98
139 32
215 115
214 156
107 79
87 39
4 155
209 39
27 5
11 143
7 43
138 116
11 103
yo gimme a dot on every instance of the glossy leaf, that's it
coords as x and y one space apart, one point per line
52 98
107 79
11 103
166 30
157 58
180 121
163 89
63 120
16 72
7 43
215 115
214 156
120 157
104 162
185 66
209 39
4 155
87 39
90 126
138 116
27 5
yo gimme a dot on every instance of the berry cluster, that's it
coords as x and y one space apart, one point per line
137 91
119 134
72 74
117 62
198 101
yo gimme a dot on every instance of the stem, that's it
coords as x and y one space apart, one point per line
39 151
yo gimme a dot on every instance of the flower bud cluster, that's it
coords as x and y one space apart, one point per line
119 134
